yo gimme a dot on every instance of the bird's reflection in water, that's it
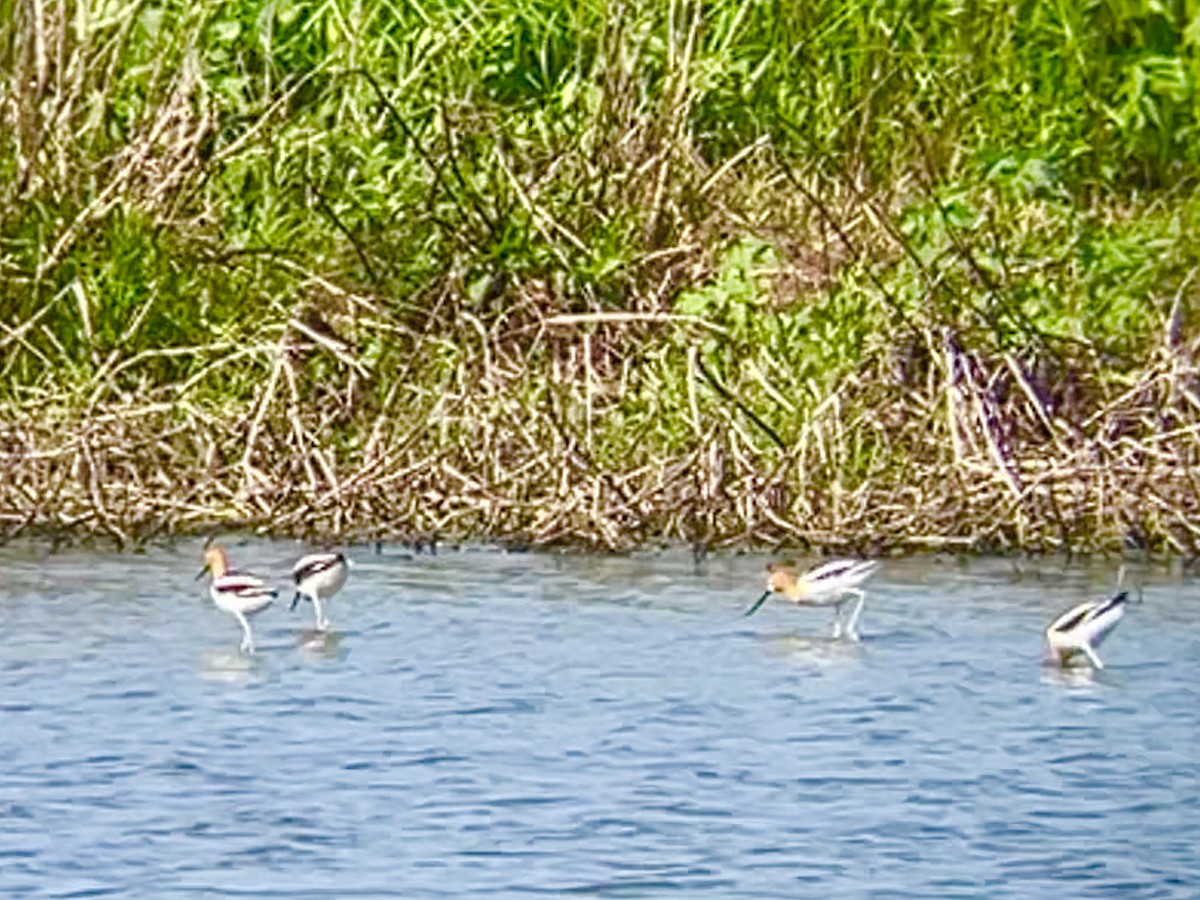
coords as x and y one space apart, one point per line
819 650
1070 676
323 644
230 666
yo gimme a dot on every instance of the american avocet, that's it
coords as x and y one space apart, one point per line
1082 628
237 593
830 584
318 577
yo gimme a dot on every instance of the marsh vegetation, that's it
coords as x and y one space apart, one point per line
850 274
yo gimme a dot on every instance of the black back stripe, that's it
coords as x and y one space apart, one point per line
1092 611
245 590
1113 603
1073 621
316 566
837 571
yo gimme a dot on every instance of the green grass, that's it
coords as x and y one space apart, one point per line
819 193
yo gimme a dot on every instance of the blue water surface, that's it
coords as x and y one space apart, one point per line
519 725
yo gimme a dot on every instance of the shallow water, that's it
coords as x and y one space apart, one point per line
534 724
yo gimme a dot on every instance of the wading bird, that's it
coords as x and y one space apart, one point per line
237 593
831 584
1082 628
318 577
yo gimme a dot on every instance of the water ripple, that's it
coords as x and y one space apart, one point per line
555 724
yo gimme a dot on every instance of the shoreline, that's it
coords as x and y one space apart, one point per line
136 473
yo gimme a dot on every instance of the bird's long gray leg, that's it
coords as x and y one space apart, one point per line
852 627
837 620
322 622
247 639
1091 654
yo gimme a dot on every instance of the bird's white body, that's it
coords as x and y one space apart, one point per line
829 584
237 593
318 576
1082 628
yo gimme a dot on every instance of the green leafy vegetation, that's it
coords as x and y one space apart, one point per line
853 274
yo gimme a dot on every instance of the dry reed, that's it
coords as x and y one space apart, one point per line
964 452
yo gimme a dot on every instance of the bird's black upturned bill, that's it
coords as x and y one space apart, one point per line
761 600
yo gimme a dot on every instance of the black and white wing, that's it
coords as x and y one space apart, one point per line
314 564
843 572
1090 622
